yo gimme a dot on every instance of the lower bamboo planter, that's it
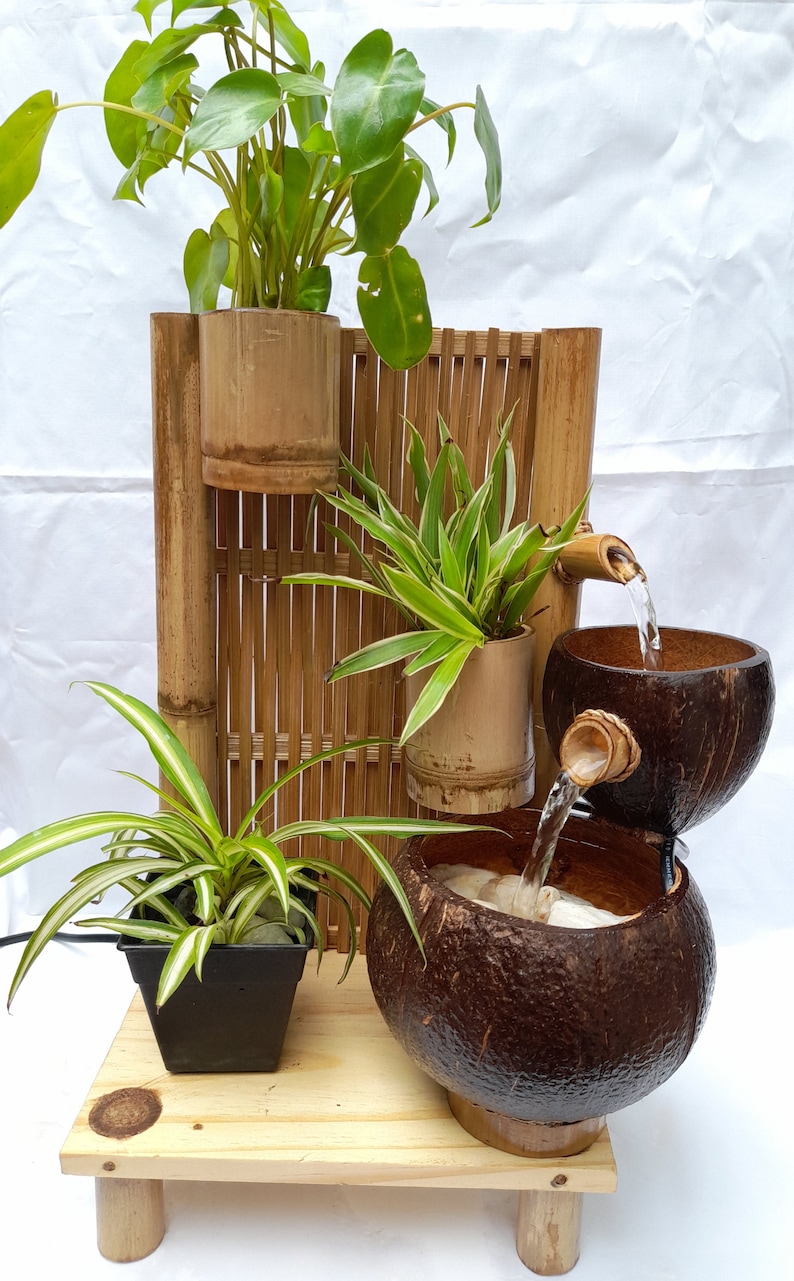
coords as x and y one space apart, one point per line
476 755
235 1019
536 1031
269 400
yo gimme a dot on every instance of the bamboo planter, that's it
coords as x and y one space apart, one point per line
476 755
269 400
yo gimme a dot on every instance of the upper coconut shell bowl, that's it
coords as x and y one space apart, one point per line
701 724
537 1022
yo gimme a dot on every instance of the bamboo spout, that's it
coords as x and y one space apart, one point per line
598 748
600 556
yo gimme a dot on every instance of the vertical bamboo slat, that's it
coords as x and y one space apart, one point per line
184 518
275 643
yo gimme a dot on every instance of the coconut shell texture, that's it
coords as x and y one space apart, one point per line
536 1022
701 724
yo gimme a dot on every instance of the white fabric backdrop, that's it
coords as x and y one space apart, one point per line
649 189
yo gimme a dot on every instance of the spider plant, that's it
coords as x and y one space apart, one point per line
302 169
234 883
460 577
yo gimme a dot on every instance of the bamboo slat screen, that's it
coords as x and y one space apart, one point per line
275 643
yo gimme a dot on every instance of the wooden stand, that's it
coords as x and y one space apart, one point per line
318 1127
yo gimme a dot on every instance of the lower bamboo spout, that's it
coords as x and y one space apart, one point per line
598 747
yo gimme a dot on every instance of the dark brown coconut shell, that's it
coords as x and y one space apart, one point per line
701 724
537 1022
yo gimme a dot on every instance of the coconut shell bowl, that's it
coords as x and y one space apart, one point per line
702 723
538 1031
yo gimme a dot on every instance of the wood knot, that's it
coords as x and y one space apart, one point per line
125 1112
559 1180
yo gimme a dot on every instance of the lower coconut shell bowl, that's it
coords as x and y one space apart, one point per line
528 1023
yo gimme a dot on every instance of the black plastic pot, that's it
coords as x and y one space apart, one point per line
235 1019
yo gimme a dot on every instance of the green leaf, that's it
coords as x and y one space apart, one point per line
124 131
69 831
314 289
445 121
392 302
330 580
270 857
390 878
289 36
428 605
300 84
433 504
486 135
287 777
166 749
146 8
450 569
466 532
150 931
384 198
438 686
381 653
180 960
436 650
427 178
178 7
417 461
169 44
233 110
90 887
22 139
318 140
376 97
205 264
161 86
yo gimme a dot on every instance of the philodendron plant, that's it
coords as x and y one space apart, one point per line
303 169
190 886
459 578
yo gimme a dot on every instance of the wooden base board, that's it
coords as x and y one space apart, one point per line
310 1122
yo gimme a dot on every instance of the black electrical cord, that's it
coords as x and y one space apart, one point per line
6 939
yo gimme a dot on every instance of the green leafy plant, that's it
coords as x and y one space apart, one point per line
313 170
233 887
459 578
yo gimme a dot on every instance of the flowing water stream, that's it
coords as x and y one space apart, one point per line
635 581
561 800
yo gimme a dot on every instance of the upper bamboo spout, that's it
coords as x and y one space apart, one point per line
600 556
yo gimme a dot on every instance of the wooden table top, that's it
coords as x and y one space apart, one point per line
346 1107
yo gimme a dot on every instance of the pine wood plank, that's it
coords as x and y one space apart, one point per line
346 1106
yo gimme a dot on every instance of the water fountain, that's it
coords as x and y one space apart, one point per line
538 1031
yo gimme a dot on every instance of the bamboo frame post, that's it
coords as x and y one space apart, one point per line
130 1218
184 515
547 1235
567 381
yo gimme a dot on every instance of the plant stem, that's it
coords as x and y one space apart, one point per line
127 111
442 111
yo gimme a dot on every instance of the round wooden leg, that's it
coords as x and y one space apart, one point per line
547 1237
130 1219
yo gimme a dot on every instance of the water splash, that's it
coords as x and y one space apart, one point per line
635 581
559 803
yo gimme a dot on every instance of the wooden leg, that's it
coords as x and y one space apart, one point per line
130 1220
547 1237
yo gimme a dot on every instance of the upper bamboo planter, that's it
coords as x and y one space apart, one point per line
269 400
